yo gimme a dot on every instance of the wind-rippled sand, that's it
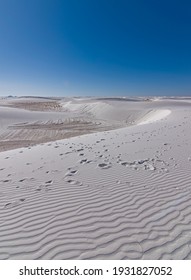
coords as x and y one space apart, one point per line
116 194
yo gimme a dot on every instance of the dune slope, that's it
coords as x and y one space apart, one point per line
121 194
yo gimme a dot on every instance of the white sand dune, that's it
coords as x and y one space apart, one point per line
120 194
29 121
154 115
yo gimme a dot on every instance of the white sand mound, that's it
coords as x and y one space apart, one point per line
154 115
95 108
110 110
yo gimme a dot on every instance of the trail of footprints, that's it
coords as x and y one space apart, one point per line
100 159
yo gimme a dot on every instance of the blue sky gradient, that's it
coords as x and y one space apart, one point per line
95 47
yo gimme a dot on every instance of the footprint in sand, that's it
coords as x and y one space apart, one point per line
149 167
118 181
104 165
49 182
124 163
22 180
14 204
44 187
74 182
71 173
6 181
82 161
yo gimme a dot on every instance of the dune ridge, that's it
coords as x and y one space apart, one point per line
154 115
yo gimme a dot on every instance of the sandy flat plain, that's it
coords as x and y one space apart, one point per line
105 178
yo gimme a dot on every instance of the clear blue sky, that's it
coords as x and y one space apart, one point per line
95 47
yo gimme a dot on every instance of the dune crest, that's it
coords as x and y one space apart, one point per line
154 115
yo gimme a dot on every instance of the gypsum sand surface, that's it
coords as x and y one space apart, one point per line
121 194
